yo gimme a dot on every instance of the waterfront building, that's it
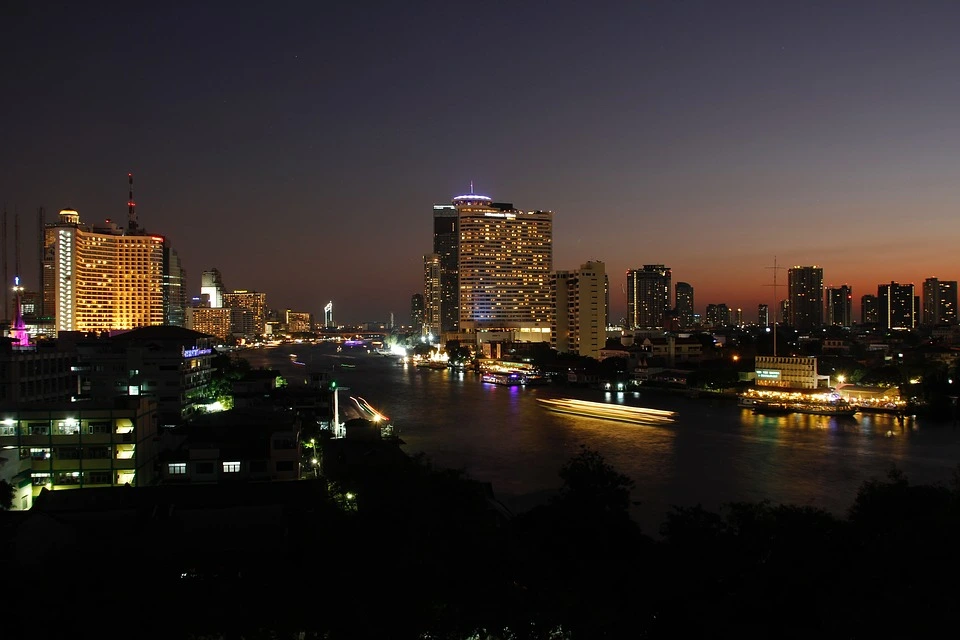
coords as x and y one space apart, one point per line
70 445
788 372
579 319
648 296
805 293
869 309
763 315
432 295
255 303
215 322
298 321
896 304
446 246
103 278
211 284
683 296
939 301
417 313
840 306
504 266
171 365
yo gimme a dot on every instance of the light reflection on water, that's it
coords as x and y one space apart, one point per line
713 453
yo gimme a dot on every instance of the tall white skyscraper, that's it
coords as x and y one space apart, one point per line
580 312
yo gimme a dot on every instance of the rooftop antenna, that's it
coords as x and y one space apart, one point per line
131 208
776 303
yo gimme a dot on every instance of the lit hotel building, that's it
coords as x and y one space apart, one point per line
253 301
805 293
504 265
102 278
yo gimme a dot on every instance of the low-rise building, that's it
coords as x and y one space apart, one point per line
38 373
247 444
72 445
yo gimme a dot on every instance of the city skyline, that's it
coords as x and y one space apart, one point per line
301 159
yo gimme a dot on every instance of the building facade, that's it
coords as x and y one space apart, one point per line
939 301
840 306
504 266
648 296
211 321
805 293
174 288
432 295
763 315
102 278
579 321
895 303
446 246
683 297
718 315
298 321
869 309
255 302
211 284
75 445
417 313
787 372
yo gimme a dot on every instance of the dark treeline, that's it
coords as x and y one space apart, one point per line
400 549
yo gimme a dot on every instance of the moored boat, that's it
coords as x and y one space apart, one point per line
810 408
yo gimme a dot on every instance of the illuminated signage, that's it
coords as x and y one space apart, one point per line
768 374
193 353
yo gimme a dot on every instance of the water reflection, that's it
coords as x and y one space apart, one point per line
713 452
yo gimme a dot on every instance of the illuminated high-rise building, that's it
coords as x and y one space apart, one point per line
446 246
717 316
432 295
174 288
648 296
416 312
102 278
254 302
805 292
579 318
939 301
840 306
869 309
504 265
896 306
212 284
683 296
763 315
328 315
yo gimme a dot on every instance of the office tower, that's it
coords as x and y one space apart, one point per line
784 311
505 260
446 246
328 315
763 315
416 313
739 317
212 284
939 301
102 278
432 295
840 306
255 303
579 317
174 288
683 293
895 303
717 316
869 309
805 293
648 296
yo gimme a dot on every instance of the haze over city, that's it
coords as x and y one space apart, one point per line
300 150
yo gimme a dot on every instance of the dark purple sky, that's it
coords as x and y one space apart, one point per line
299 146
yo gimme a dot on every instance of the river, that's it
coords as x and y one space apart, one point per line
714 452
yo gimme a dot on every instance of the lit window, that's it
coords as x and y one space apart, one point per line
177 468
231 467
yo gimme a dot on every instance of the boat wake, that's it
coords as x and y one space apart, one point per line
605 411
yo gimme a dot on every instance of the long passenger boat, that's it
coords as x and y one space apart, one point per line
812 408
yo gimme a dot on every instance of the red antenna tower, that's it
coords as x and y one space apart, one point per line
131 207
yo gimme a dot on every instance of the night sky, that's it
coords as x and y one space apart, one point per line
299 147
